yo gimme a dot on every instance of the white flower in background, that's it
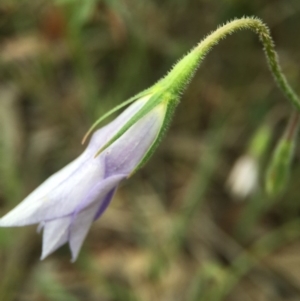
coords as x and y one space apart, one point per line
243 178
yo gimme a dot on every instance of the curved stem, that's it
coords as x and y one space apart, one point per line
184 70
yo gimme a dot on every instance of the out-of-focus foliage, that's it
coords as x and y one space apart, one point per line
173 231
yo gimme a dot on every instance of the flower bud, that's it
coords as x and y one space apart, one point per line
279 169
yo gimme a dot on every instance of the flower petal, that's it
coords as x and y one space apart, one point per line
105 203
65 199
101 136
87 212
55 234
125 153
80 228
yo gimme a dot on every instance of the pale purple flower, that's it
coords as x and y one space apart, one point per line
67 203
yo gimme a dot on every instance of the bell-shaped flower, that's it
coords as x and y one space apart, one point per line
67 203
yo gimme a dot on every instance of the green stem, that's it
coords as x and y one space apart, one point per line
184 70
292 127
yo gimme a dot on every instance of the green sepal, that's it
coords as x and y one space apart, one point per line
279 169
115 109
154 100
171 105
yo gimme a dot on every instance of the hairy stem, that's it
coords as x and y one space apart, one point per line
184 70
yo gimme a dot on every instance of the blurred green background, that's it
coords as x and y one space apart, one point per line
173 231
